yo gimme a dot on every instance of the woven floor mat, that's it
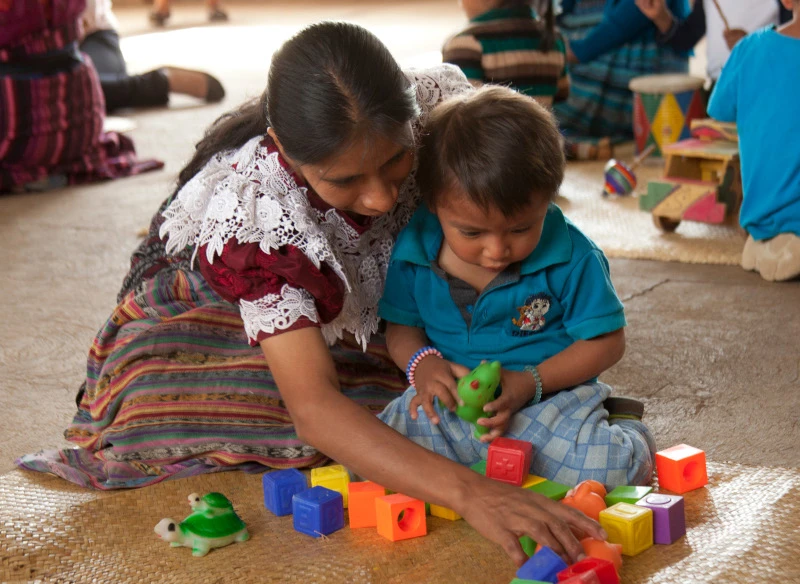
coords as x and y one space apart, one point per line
623 231
743 527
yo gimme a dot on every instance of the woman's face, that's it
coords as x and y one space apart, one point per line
365 178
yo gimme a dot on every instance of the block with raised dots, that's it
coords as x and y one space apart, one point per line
669 517
400 517
627 495
604 572
334 477
444 513
361 503
550 489
318 511
509 460
681 468
628 525
279 488
543 565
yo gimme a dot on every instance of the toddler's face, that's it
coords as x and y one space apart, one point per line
490 240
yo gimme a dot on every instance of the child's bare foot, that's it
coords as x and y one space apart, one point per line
776 259
195 83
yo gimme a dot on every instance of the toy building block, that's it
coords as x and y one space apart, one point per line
400 517
603 569
318 511
681 468
479 467
589 577
629 525
597 548
669 518
522 581
444 513
528 545
509 460
334 477
362 503
531 480
279 488
586 497
543 565
627 495
550 489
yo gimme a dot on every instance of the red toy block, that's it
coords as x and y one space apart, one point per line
362 503
509 460
585 578
400 517
603 569
681 468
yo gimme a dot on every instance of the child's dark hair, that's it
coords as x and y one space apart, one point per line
499 147
330 83
544 9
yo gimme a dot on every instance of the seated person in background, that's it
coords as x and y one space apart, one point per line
507 44
101 43
161 13
758 90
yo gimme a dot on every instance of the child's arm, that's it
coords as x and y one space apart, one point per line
465 52
303 369
724 100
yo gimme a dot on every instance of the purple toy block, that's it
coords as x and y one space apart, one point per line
669 520
279 488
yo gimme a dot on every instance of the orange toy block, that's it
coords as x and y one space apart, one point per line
681 468
586 497
362 503
400 517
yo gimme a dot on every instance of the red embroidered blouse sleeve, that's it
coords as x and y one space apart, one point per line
245 275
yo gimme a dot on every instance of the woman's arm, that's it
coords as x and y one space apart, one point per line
303 369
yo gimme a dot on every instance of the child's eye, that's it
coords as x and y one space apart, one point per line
397 157
522 230
469 234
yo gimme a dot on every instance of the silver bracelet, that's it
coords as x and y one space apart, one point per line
538 378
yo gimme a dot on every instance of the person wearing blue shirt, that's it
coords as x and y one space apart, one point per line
758 91
490 269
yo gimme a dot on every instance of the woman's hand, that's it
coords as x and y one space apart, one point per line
436 377
657 11
504 513
517 391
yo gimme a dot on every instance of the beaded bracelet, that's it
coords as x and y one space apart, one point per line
538 378
416 358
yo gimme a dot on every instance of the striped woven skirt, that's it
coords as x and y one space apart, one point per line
173 389
600 105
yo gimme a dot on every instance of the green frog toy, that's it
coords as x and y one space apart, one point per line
476 390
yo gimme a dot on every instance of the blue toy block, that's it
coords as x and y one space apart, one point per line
279 488
543 565
318 511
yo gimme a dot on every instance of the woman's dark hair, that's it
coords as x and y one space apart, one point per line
329 84
501 148
544 9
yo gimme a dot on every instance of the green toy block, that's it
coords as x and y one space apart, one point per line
627 495
551 490
528 545
479 467
521 581
427 508
656 192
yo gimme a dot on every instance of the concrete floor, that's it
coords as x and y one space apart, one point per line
713 351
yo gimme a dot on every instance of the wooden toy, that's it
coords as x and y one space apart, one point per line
531 480
702 182
629 525
597 548
213 524
509 460
550 489
669 518
400 517
627 495
711 130
619 178
664 107
477 389
279 487
444 513
585 498
334 477
318 511
362 498
543 565
681 468
604 570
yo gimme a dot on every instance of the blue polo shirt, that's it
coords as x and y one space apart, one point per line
559 294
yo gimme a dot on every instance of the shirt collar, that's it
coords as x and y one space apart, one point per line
503 13
422 238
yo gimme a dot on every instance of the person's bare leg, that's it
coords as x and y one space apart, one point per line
160 12
215 11
195 83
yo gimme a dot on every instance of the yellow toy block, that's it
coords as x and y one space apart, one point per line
334 477
531 480
444 513
628 525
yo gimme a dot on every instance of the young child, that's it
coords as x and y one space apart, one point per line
506 44
758 90
492 270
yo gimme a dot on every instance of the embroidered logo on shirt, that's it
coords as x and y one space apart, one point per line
531 315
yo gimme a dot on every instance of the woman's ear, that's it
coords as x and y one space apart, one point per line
271 134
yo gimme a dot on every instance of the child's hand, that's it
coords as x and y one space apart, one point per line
733 36
516 393
436 377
